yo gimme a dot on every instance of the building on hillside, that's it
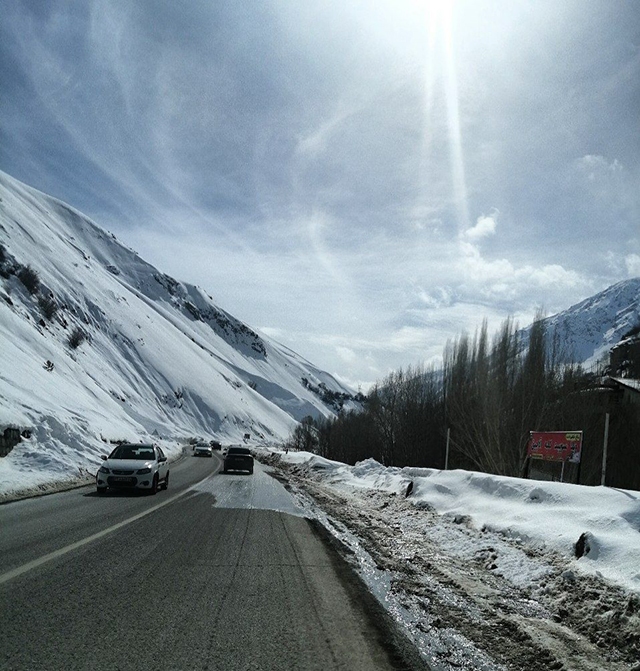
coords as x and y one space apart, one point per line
624 358
625 390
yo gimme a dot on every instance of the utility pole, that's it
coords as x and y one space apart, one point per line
446 453
604 449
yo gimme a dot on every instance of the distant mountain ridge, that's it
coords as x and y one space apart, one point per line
586 332
155 355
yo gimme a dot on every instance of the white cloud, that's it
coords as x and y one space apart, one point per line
484 227
596 167
347 354
501 280
632 261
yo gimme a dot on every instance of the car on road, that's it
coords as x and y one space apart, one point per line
202 450
216 445
238 459
134 466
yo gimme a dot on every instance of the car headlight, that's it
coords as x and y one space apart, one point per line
143 471
103 469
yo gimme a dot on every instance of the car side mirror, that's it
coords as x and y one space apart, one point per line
103 457
161 459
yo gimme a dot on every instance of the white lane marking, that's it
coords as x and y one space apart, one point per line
14 573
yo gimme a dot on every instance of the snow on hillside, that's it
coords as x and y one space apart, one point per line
156 359
585 332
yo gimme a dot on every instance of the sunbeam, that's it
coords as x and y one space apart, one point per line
440 65
453 118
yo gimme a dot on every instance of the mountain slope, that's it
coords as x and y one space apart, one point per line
156 356
586 332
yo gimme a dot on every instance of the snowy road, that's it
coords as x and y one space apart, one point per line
226 575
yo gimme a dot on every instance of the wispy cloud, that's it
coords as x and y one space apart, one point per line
364 179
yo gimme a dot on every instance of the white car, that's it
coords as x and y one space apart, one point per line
134 466
202 450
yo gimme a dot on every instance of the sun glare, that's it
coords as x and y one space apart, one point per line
435 21
421 35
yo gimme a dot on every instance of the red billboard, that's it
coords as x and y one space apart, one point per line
555 445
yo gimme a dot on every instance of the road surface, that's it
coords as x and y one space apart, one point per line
220 572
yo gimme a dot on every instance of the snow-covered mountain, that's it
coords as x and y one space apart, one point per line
96 344
586 332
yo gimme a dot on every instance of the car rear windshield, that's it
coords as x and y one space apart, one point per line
133 452
239 450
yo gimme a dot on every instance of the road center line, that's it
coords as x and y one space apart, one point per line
14 573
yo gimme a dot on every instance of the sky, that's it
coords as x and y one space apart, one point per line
360 179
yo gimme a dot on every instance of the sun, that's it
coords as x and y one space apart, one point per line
433 11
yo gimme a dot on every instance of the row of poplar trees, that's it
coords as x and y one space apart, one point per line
489 394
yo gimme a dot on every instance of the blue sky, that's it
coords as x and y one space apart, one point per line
361 180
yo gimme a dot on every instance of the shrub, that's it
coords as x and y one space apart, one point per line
29 277
48 306
77 337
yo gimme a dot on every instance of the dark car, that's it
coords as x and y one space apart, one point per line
238 459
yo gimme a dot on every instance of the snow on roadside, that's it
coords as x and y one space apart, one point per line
28 470
542 515
479 570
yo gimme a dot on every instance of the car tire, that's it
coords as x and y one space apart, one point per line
101 491
154 485
165 484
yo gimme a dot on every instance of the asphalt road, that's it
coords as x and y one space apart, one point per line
217 573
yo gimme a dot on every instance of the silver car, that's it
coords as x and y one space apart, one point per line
134 466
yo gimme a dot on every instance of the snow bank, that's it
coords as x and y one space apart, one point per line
544 515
